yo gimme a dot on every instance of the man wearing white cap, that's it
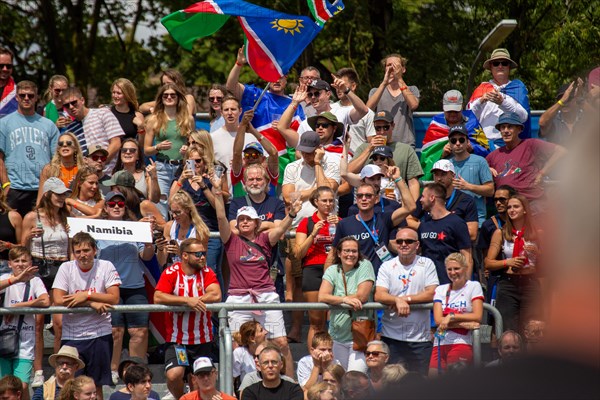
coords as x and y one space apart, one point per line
205 378
373 175
65 362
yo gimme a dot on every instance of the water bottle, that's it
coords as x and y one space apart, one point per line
531 255
332 229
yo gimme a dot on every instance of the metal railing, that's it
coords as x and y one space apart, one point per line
225 339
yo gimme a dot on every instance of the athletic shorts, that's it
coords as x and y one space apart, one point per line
194 351
19 367
312 276
271 320
96 354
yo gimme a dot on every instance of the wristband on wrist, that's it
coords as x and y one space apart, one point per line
239 63
9 282
561 103
398 179
292 216
178 183
5 185
403 88
504 263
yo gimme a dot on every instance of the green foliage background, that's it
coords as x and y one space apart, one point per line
92 42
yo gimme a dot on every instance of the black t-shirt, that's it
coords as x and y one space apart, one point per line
269 210
351 226
487 231
458 203
205 209
441 237
285 391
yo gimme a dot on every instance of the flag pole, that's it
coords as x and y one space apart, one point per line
261 96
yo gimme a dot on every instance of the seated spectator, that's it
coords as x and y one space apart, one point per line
457 308
65 363
333 376
249 337
311 367
256 376
21 289
510 345
392 374
320 391
356 386
138 381
80 388
123 393
66 162
11 388
131 159
272 386
377 355
205 379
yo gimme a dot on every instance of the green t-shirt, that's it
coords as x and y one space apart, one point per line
340 322
171 132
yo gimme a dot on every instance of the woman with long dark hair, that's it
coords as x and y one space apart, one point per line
215 97
11 224
131 159
518 287
349 280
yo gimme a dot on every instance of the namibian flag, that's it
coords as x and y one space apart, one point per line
322 10
515 89
436 137
274 40
158 320
8 102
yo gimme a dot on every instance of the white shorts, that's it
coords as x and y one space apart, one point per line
271 320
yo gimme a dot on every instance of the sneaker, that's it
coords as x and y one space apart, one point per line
115 377
38 379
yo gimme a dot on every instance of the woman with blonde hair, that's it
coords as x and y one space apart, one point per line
66 162
125 109
86 199
186 223
167 129
53 95
80 388
320 391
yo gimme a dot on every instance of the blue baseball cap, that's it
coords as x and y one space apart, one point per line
254 146
509 118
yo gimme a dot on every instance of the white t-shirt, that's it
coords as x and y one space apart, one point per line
405 280
13 295
223 145
302 176
459 302
243 362
342 115
360 131
305 366
72 279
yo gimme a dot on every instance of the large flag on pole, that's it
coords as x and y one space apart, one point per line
274 39
8 99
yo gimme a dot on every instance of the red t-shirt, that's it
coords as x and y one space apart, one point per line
187 327
520 166
196 396
318 250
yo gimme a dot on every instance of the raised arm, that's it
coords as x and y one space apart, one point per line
233 79
283 127
387 79
359 108
350 177
408 203
238 143
285 224
273 155
224 228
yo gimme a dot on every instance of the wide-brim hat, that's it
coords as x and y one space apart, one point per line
500 54
329 116
69 352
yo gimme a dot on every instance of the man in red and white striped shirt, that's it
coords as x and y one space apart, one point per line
187 283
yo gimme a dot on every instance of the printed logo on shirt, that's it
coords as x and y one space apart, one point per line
509 169
434 235
250 256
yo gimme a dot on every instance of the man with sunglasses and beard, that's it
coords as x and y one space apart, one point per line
189 334
473 174
27 143
93 126
402 281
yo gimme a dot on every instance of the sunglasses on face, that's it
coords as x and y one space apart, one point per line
7 66
70 104
253 156
216 98
176 213
374 353
169 95
98 158
382 128
196 160
65 143
131 150
198 254
113 204
322 125
460 140
316 93
503 63
365 195
378 158
26 95
407 241
500 199
58 91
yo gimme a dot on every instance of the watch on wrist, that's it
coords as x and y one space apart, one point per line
292 216
452 316
348 90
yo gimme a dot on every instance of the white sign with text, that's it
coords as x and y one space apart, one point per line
118 231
